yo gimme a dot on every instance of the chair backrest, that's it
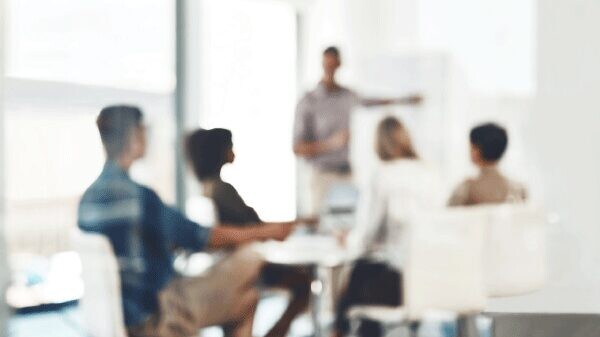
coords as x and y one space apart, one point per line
100 305
515 250
443 269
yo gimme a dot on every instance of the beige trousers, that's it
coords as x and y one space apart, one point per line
320 185
224 296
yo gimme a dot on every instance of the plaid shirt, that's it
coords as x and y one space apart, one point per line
143 232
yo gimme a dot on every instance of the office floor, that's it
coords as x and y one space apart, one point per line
66 322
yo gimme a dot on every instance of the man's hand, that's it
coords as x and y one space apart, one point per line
335 142
410 100
276 231
338 140
341 237
310 222
231 236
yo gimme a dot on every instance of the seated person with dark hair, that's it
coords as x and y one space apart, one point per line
208 151
144 233
488 144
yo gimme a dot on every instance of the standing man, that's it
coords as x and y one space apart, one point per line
322 128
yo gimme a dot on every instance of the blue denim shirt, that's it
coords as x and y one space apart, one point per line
143 232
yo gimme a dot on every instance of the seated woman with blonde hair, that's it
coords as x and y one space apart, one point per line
402 184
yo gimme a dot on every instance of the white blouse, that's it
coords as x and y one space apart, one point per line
398 189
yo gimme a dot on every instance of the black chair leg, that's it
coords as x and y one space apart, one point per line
466 326
413 329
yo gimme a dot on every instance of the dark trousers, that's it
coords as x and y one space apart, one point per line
371 283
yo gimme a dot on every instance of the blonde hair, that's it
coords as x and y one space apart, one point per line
393 140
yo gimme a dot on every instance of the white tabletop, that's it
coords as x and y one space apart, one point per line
306 250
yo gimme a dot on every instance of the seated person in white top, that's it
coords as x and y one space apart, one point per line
402 183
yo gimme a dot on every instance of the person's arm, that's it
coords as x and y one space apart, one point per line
370 217
460 196
177 231
305 143
173 229
307 221
232 207
406 100
229 236
315 148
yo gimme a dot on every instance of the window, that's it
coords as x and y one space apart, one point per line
111 43
66 60
249 86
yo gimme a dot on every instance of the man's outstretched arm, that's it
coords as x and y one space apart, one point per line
230 236
406 100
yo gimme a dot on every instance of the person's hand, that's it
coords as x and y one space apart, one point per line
412 100
309 222
277 231
338 140
341 237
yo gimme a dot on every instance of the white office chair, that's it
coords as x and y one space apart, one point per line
100 305
443 270
515 250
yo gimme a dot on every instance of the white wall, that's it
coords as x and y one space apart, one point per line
563 133
361 29
494 41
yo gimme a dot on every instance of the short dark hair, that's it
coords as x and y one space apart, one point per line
491 140
332 50
115 123
207 151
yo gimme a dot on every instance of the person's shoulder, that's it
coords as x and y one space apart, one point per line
518 189
222 188
512 184
107 188
465 186
122 188
428 170
461 194
405 172
346 90
107 201
146 191
388 173
309 96
468 182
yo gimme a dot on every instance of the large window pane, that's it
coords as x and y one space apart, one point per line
123 44
67 60
249 86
